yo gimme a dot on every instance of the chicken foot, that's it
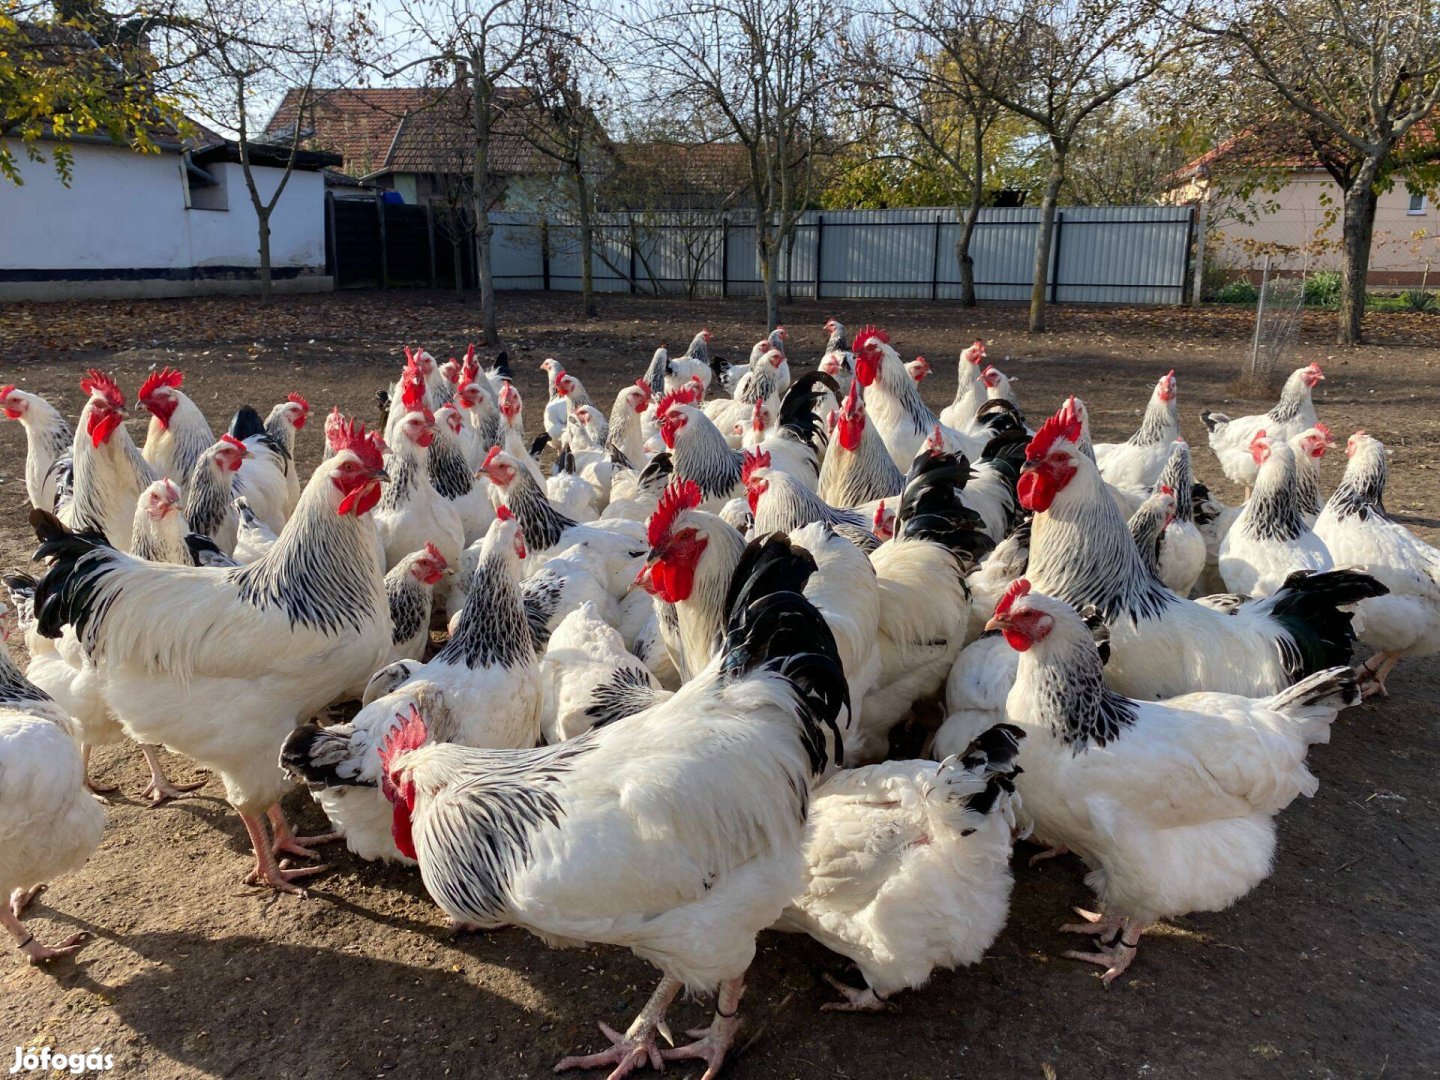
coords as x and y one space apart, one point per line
96 789
287 842
267 871
160 789
866 1000
713 1042
33 950
1372 675
637 1046
1119 941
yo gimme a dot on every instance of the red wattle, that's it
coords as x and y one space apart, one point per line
1016 640
850 432
400 830
1035 492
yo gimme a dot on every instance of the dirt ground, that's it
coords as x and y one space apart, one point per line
1331 968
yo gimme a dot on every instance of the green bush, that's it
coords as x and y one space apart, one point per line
1322 288
1418 300
1239 291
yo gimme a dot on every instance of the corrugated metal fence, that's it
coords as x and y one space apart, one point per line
1113 254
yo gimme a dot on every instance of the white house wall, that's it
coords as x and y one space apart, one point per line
122 229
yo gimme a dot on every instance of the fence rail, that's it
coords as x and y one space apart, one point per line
1110 255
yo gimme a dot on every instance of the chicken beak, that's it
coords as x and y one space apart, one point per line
380 474
997 622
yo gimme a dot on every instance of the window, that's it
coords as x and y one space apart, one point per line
204 188
1417 204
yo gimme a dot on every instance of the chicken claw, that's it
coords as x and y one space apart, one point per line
160 789
713 1042
626 1053
21 899
1053 852
1115 958
35 952
855 1000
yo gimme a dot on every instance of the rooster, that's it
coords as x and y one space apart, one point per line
918 369
49 824
179 433
1357 529
109 471
243 655
676 831
1170 803
481 689
1293 413
908 866
1270 540
894 405
1138 462
47 443
1163 645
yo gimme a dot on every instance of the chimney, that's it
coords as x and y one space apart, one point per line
462 73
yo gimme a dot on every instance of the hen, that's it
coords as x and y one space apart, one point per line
1170 803
588 677
908 865
1138 462
47 442
1357 530
1292 414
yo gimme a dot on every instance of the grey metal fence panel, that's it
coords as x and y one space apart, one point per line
1114 255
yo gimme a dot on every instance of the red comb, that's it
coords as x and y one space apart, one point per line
231 440
97 382
754 459
502 513
678 496
409 734
412 388
433 553
1257 437
156 379
684 395
490 457
1315 368
1325 431
852 399
1016 590
6 391
1065 424
296 399
350 434
866 335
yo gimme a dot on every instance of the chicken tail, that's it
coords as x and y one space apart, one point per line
246 423
70 592
1213 421
776 629
979 781
322 757
931 509
21 588
1314 701
1309 608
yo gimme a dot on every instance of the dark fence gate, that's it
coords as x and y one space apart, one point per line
373 244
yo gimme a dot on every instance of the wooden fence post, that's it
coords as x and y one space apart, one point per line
1201 212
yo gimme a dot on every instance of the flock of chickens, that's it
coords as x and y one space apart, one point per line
662 715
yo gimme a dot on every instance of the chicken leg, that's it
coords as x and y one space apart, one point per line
266 870
286 841
713 1042
1117 948
637 1045
1372 677
91 786
160 789
33 950
866 1000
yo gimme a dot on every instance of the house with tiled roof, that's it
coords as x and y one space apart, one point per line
418 141
1267 192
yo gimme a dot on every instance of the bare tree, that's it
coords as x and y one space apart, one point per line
1361 77
243 55
570 80
488 43
760 73
909 71
1057 63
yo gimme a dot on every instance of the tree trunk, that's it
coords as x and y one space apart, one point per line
765 244
1358 229
479 177
1041 277
587 245
267 290
967 221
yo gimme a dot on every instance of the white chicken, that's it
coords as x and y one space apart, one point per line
676 831
410 590
481 689
1293 413
1357 530
588 677
1170 803
1138 462
48 439
1270 540
1182 549
109 471
178 432
411 512
908 866
970 389
49 824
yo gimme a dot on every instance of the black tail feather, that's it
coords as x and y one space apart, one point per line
768 564
1308 606
78 564
538 444
501 367
315 755
931 509
245 423
797 410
